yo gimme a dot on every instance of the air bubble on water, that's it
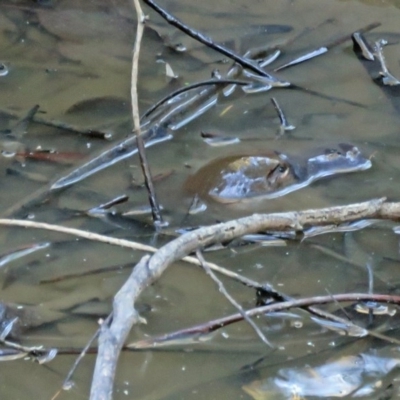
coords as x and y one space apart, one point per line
3 70
8 154
297 324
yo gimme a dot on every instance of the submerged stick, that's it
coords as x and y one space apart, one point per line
326 47
253 66
149 270
191 87
62 125
284 124
244 62
112 338
365 54
216 324
115 153
223 290
67 384
155 207
95 133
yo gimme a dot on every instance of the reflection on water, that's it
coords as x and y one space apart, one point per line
73 59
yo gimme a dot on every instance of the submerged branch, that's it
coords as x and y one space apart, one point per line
308 302
148 270
196 85
112 338
225 293
326 47
251 65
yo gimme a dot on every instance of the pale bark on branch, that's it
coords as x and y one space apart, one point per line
148 270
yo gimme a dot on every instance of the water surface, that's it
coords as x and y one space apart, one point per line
74 60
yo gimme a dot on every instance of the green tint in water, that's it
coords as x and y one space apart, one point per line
73 55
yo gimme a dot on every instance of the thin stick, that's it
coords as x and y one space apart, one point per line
243 61
61 125
222 290
377 208
148 270
265 287
118 242
191 87
112 338
284 124
216 324
155 208
71 128
326 47
253 66
148 181
67 381
135 67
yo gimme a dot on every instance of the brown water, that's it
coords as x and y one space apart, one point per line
73 58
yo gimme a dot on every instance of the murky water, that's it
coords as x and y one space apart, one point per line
73 58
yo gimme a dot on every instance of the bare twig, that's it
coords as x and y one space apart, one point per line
155 207
222 289
372 64
112 338
135 66
253 66
325 48
284 124
149 270
62 125
67 381
118 242
191 87
236 228
72 128
308 302
148 182
205 236
243 61
387 78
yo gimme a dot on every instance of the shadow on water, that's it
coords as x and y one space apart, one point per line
73 59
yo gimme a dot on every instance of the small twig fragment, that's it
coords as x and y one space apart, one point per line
387 78
176 93
222 290
309 302
325 48
284 124
155 207
366 51
67 381
246 63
